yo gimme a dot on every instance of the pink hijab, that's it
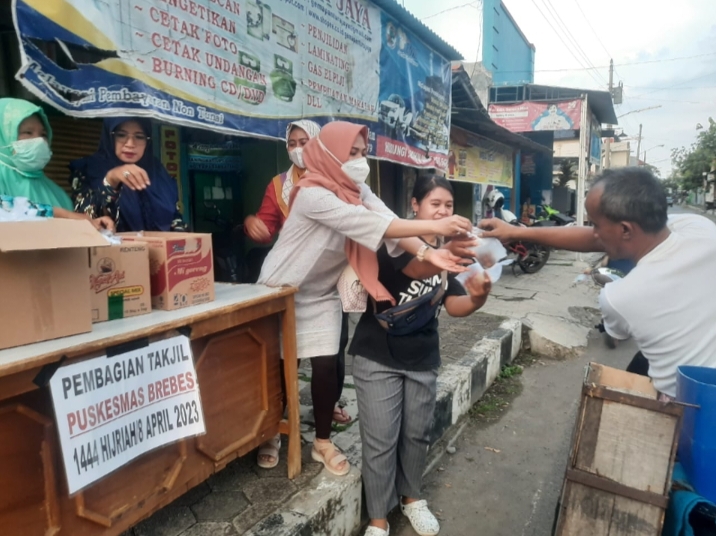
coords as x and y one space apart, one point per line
324 170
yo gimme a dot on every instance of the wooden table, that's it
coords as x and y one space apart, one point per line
237 342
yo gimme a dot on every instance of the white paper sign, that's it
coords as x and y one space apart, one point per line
109 410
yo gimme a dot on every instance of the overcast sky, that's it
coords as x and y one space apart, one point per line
632 32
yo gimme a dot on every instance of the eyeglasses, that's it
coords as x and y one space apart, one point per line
123 137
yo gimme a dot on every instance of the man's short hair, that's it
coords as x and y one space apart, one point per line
633 194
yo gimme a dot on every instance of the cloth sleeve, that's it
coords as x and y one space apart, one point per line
270 213
454 287
376 204
614 323
388 261
95 202
693 224
353 221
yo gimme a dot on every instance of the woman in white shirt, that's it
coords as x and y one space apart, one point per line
328 227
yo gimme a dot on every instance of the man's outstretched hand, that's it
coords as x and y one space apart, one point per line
497 228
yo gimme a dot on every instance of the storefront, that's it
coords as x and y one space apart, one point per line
484 156
220 81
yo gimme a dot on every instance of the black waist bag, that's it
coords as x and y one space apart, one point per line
414 315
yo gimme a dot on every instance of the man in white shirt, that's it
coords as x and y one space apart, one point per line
667 303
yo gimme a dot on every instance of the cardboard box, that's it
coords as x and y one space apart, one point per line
44 271
119 281
181 267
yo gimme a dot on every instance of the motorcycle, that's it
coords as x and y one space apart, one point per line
530 257
548 213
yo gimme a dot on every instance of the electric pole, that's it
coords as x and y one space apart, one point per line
638 147
608 144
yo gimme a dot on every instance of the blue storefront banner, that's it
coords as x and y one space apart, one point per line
239 67
414 101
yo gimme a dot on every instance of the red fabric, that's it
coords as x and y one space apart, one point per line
270 213
323 166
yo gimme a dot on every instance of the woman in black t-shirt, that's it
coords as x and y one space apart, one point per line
395 377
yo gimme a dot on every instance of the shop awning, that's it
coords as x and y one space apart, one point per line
469 113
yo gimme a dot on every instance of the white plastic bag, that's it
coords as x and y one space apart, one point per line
491 257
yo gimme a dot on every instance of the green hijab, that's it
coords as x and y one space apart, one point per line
31 184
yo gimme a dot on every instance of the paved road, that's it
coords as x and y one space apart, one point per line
514 491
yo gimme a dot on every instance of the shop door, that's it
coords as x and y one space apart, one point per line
71 139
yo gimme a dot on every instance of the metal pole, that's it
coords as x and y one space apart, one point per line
608 153
583 156
638 147
611 77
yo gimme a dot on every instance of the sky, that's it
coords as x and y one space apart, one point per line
664 53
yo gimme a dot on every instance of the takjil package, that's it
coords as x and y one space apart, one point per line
181 268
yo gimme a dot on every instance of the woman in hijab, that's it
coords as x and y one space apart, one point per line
264 226
329 227
123 180
267 222
25 137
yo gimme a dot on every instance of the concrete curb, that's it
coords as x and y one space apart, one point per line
331 506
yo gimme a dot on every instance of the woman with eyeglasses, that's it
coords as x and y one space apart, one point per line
123 180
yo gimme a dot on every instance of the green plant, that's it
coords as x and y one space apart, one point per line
510 371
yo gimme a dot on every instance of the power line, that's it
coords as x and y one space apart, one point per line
592 28
676 85
569 49
665 100
565 69
586 19
479 42
568 32
468 4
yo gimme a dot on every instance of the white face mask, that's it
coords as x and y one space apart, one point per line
357 170
296 156
31 155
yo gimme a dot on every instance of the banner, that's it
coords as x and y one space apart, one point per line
478 160
110 410
415 100
239 67
529 116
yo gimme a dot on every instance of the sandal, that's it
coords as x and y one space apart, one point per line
331 458
340 416
421 518
270 450
375 531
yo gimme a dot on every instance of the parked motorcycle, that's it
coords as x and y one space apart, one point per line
548 213
530 257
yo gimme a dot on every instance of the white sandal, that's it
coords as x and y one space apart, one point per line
421 518
331 464
270 448
375 531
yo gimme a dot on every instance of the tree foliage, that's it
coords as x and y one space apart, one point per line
691 163
566 172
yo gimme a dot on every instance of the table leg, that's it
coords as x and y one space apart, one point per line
290 368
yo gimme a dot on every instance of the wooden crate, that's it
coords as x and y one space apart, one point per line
623 449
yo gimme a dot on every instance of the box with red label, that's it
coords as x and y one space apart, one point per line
119 281
181 268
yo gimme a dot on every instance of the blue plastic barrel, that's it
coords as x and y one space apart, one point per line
697 444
